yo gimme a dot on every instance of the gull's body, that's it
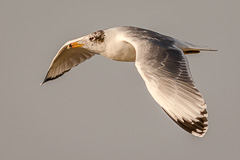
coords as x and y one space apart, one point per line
159 59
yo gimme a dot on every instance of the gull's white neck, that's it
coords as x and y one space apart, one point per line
117 48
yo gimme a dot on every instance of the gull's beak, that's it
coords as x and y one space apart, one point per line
74 45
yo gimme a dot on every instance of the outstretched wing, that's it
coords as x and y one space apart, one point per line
65 60
167 76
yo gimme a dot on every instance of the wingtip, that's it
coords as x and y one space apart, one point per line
200 133
208 49
44 81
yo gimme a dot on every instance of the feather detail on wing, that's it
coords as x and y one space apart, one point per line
167 76
66 59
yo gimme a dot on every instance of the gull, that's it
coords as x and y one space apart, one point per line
159 59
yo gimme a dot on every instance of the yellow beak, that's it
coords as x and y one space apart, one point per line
74 45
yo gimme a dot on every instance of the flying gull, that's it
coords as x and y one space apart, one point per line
159 59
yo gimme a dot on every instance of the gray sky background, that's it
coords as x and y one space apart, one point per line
101 110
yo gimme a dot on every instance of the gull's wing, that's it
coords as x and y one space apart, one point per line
65 60
167 76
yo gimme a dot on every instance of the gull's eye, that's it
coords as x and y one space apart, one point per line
97 37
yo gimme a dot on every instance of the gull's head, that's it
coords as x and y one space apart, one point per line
94 42
109 43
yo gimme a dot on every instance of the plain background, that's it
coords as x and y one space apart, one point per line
101 110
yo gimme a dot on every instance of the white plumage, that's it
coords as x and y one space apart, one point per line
159 59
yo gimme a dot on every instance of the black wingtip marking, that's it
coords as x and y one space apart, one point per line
52 78
198 127
191 52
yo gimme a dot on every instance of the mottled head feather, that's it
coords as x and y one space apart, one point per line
97 37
